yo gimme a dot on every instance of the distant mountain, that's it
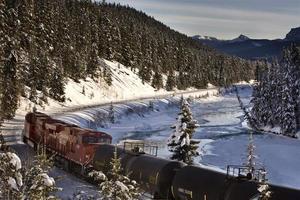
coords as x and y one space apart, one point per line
241 38
294 34
248 48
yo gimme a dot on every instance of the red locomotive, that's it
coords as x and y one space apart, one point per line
73 146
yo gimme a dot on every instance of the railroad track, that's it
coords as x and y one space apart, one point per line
77 108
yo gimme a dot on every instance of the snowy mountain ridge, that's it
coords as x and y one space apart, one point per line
249 48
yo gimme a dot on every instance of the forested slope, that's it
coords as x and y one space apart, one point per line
276 98
44 42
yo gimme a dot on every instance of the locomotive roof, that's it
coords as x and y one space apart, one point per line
79 131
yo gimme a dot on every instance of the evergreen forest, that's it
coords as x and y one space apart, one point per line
43 43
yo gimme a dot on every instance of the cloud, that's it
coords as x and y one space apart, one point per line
224 19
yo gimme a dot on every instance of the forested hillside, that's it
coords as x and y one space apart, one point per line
44 42
276 99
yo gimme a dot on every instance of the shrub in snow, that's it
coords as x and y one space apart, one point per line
180 143
116 186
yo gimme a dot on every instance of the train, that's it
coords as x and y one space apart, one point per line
80 150
73 146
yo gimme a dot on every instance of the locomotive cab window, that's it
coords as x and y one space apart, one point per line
91 139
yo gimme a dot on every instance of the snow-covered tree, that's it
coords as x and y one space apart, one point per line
10 176
180 143
276 99
37 183
116 186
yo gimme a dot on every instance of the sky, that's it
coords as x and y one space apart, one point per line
224 19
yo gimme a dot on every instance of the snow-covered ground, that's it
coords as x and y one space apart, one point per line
223 137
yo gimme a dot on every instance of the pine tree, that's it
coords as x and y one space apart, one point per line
9 86
181 144
107 76
57 86
9 68
118 186
171 81
182 81
145 74
157 81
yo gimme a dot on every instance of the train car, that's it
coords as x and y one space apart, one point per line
196 183
73 146
155 175
192 182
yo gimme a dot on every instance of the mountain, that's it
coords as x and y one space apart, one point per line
248 48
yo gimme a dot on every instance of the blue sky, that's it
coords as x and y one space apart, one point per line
224 19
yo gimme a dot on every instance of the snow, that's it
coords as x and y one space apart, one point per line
262 188
15 160
48 181
121 185
12 183
97 175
